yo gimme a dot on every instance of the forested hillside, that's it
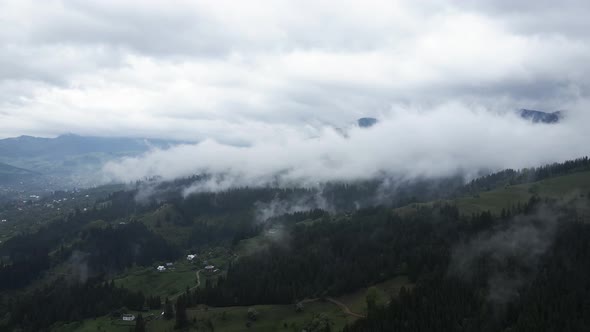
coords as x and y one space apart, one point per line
276 248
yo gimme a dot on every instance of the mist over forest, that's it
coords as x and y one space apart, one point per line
294 166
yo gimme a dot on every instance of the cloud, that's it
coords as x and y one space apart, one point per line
512 255
193 70
267 76
278 207
409 143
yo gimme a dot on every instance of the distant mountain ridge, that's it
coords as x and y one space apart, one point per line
11 170
70 144
539 116
366 122
72 156
9 173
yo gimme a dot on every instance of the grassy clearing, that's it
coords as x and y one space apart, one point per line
357 301
93 325
283 317
173 281
270 317
564 188
252 245
162 223
167 283
104 323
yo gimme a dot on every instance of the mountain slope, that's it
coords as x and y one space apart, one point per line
301 255
538 116
65 145
72 154
10 173
569 189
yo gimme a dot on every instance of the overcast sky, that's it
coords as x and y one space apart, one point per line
195 69
272 74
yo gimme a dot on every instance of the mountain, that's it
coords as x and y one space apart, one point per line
11 176
67 145
72 156
366 122
373 268
8 172
539 116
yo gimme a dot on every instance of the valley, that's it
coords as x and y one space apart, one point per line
294 270
294 166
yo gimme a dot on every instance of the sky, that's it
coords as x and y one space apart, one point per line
276 76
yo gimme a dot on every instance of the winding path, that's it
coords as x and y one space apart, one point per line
345 308
198 279
341 305
173 297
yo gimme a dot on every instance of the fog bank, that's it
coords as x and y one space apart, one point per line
407 143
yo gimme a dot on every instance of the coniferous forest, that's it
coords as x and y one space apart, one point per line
524 269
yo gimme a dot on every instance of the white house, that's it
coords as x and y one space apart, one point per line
128 317
190 257
169 264
209 268
161 268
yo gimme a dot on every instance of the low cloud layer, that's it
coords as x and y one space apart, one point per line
277 207
274 77
447 140
513 255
